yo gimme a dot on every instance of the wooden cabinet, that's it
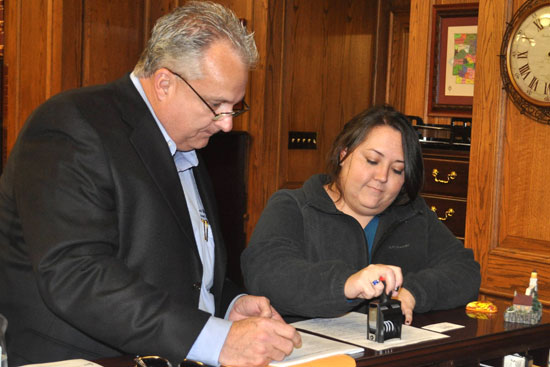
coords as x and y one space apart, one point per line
446 186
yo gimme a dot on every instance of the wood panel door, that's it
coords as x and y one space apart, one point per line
327 76
507 224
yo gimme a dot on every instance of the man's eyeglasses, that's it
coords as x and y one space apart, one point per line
238 109
156 361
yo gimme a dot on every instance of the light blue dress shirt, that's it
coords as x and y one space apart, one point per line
210 341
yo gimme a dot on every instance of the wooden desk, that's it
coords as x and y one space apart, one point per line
486 341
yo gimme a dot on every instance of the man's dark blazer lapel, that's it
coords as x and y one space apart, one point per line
153 151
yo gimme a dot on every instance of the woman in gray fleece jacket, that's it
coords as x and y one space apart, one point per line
320 250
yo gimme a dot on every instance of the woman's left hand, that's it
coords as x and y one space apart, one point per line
407 304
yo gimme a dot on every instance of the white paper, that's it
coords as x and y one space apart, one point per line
352 328
66 363
315 347
442 327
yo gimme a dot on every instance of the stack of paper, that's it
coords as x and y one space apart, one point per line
315 347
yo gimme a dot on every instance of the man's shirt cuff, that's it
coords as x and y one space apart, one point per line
209 344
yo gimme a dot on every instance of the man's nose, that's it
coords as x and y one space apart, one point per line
225 124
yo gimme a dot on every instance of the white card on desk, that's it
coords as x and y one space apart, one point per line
442 327
66 363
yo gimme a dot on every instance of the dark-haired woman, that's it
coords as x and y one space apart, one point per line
320 251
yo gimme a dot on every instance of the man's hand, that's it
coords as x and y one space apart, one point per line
365 283
407 304
256 341
248 306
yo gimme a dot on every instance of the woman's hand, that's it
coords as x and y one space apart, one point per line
407 304
366 282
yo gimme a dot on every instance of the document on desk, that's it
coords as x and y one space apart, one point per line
315 347
352 328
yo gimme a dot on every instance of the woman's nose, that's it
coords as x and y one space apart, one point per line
381 173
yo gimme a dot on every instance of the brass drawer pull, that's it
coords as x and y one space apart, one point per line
450 176
448 213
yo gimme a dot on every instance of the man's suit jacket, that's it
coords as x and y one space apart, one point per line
97 252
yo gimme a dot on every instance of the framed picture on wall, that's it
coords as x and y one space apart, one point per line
453 60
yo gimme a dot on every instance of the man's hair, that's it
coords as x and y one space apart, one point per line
357 129
180 38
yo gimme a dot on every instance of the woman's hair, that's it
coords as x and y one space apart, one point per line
356 131
180 38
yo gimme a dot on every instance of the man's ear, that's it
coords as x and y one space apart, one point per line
162 82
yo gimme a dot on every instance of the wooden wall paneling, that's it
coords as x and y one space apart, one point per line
417 61
42 57
154 9
305 48
265 112
328 76
380 51
66 45
391 52
353 73
11 75
113 39
27 30
398 50
506 225
240 7
525 181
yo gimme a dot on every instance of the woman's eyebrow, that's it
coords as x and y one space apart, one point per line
382 154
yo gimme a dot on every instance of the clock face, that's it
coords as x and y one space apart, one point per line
528 56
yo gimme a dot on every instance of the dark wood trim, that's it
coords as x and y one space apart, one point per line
381 46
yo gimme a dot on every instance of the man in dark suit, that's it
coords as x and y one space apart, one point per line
109 236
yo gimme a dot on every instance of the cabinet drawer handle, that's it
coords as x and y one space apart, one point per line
448 213
450 176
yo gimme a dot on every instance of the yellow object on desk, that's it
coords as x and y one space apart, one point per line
484 307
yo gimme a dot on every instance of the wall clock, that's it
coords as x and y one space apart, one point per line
525 59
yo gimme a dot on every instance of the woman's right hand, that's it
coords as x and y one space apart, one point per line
365 283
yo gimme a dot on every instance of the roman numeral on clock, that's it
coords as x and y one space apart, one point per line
522 55
525 71
538 24
534 83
